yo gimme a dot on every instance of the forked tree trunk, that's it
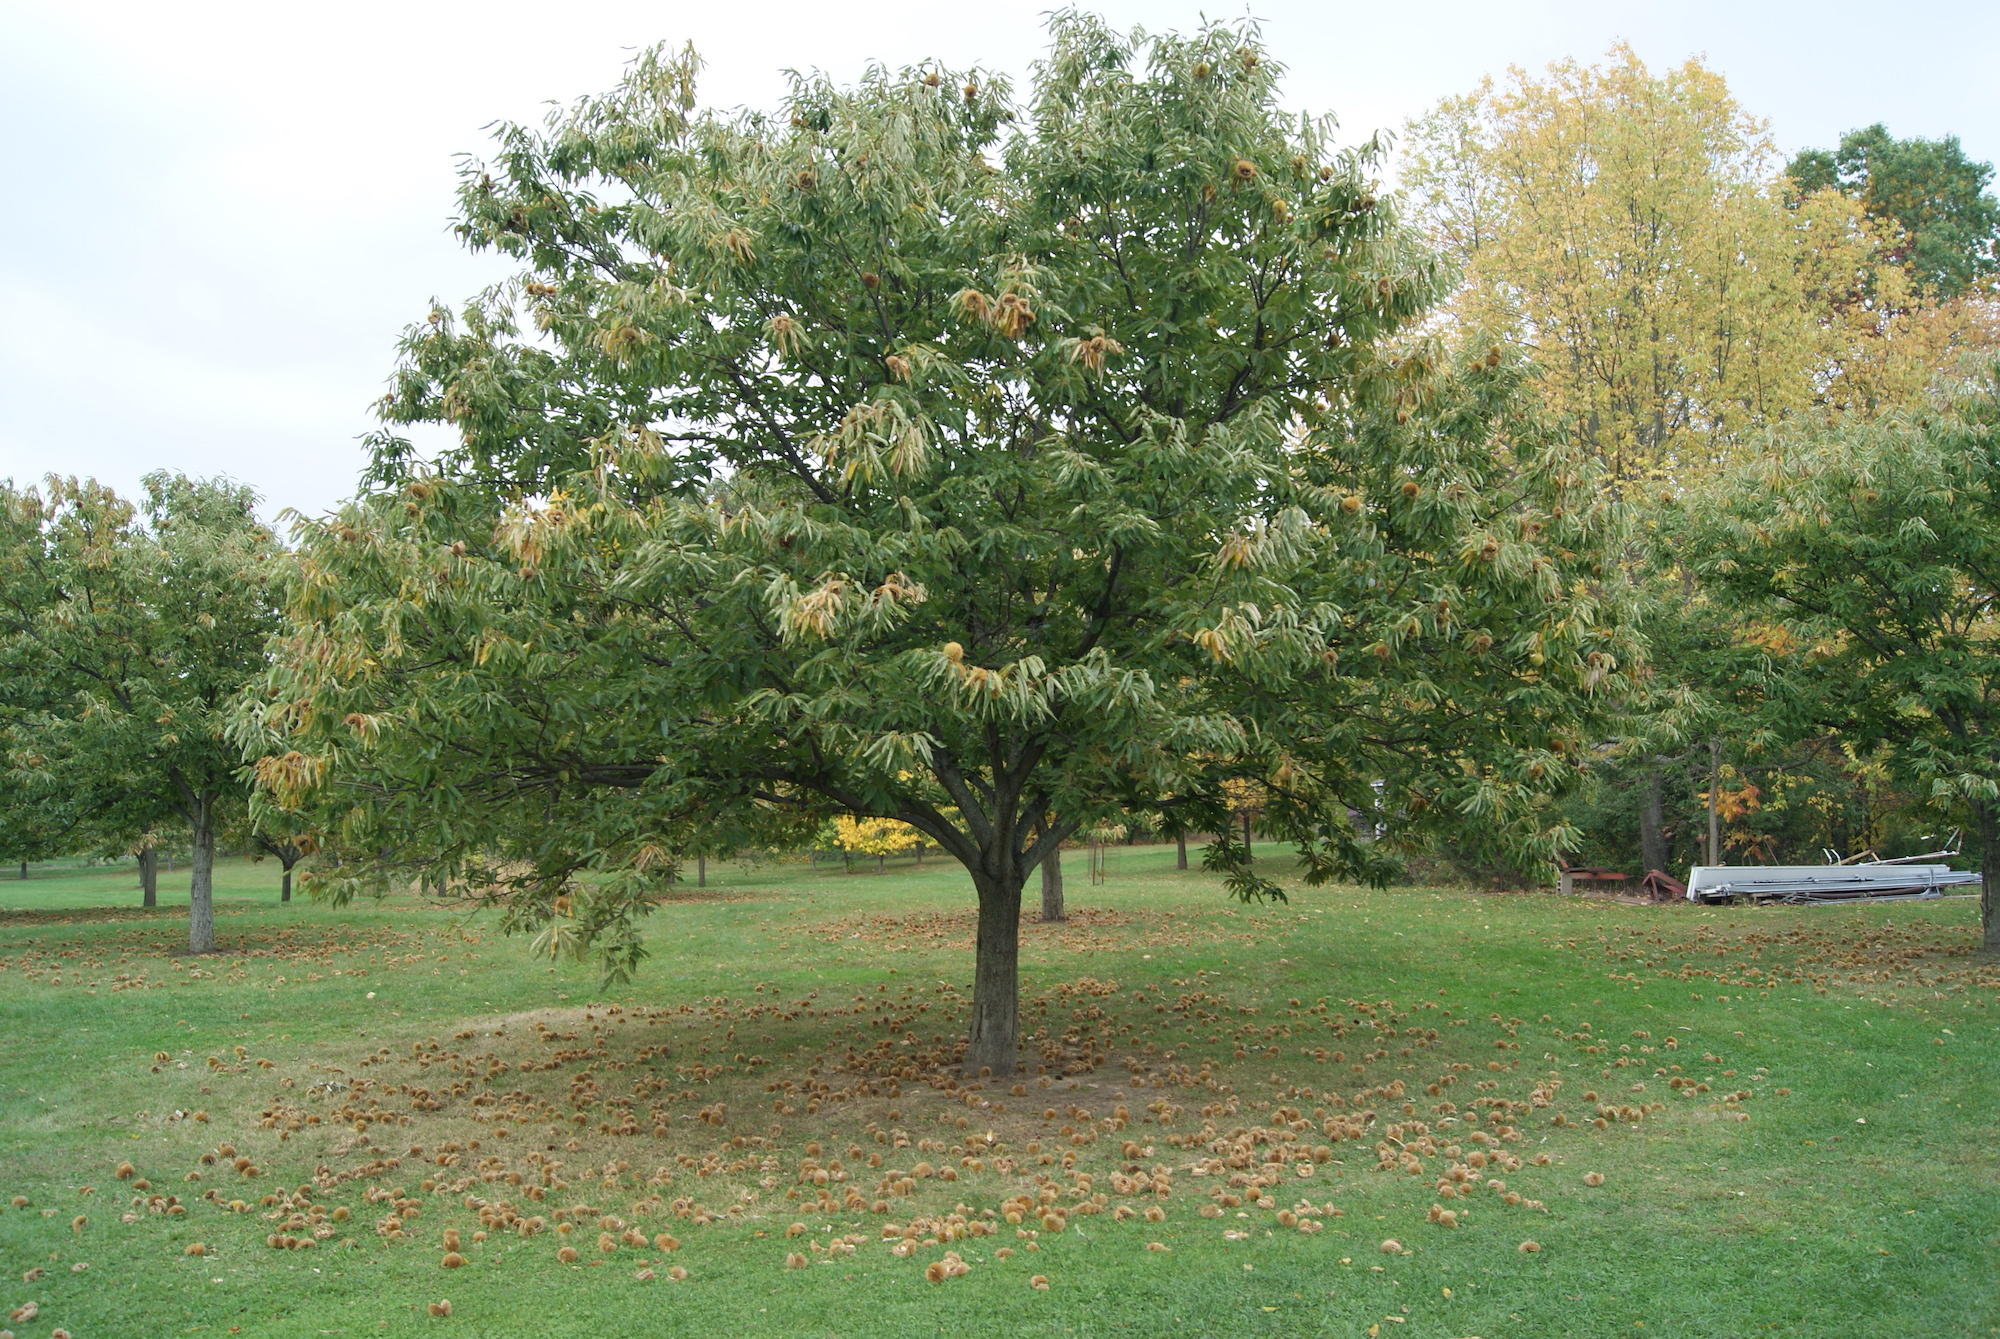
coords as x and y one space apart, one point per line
1052 888
149 877
993 1040
201 884
1652 825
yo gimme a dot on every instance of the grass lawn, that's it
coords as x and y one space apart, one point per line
1234 1121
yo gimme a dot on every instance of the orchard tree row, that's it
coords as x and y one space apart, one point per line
1002 467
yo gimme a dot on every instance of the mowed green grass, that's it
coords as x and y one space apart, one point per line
1858 1202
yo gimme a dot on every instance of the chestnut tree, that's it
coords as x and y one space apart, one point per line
921 453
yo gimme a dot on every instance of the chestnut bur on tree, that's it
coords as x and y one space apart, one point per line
916 453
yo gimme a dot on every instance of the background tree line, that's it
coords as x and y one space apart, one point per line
1699 309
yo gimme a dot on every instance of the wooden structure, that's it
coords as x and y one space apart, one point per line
1662 887
1570 875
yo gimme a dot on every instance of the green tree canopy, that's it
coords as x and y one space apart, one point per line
124 643
1879 545
1948 224
34 827
904 455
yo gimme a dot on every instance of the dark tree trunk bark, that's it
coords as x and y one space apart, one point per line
1246 836
993 1040
1006 830
24 871
201 884
1052 886
1652 825
701 871
1987 819
285 887
149 877
1714 818
1180 850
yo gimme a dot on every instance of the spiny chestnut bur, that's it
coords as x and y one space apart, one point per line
996 486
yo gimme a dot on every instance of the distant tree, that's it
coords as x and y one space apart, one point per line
288 844
879 837
32 830
1621 221
124 642
1946 224
1878 545
1680 294
1704 712
147 852
869 459
1052 886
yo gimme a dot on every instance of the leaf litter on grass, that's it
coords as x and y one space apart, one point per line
599 1125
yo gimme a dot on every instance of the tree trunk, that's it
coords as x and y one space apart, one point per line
285 888
24 871
1652 826
1714 784
993 1040
1246 836
201 884
1052 889
1987 820
701 871
1180 850
149 877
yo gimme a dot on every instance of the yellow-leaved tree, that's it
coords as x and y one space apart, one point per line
879 837
1638 232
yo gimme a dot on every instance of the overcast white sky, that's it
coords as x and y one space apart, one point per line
220 215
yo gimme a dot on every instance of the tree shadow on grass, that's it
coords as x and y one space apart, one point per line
87 915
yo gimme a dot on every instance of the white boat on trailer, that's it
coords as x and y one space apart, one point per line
1837 881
